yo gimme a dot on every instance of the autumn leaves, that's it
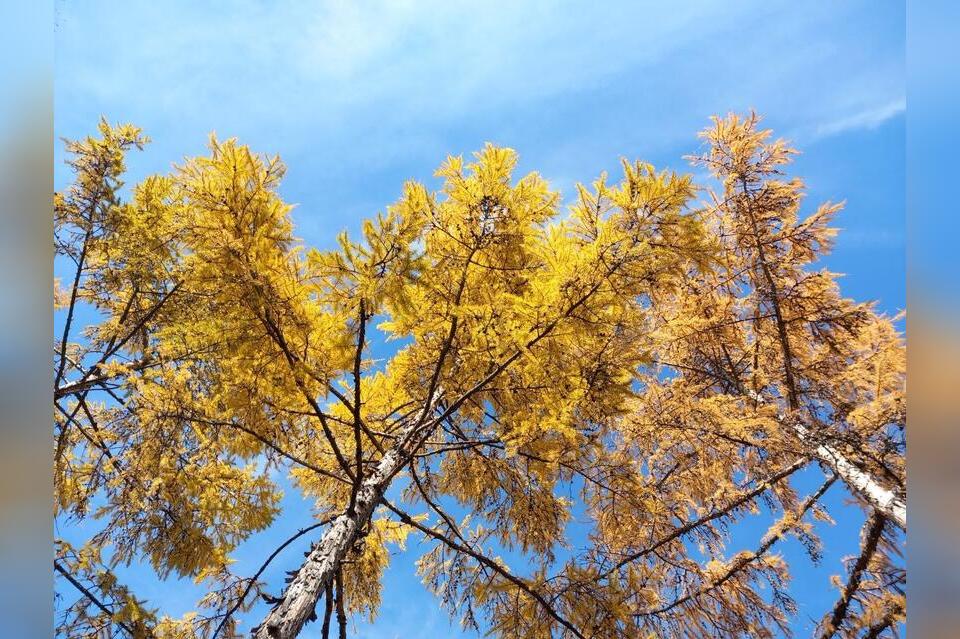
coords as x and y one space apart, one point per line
646 361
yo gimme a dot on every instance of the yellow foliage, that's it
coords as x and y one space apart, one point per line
637 366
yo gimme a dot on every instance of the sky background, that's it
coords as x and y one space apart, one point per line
358 97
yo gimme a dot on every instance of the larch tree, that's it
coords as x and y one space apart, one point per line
670 363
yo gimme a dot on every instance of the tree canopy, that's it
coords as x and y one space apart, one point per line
670 354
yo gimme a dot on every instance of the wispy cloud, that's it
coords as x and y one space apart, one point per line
405 78
868 118
874 238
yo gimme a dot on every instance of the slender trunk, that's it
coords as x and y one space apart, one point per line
873 531
886 501
774 300
890 504
341 615
327 612
74 290
861 483
318 571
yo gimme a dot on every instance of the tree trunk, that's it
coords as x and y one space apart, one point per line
887 502
862 484
316 574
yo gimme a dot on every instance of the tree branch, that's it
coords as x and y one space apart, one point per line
872 531
93 598
743 561
253 580
358 448
489 563
689 526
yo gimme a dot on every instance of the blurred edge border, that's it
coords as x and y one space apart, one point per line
26 322
933 320
26 271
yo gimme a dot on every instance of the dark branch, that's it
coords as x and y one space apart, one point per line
489 563
253 580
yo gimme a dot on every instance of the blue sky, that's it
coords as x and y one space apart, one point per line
357 97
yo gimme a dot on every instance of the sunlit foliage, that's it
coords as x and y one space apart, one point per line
649 365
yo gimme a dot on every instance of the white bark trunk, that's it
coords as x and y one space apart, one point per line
887 502
289 616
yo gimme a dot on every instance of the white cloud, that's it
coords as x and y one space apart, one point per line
873 238
350 92
298 66
868 118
